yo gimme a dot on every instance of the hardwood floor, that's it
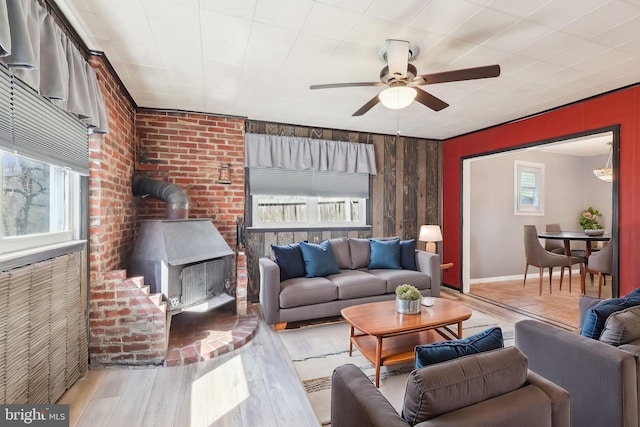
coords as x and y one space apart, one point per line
559 307
255 385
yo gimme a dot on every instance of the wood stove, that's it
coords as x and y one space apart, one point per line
186 260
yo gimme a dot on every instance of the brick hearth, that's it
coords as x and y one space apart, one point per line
195 337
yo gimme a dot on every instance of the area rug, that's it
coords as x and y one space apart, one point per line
316 350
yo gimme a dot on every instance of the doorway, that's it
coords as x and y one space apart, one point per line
492 245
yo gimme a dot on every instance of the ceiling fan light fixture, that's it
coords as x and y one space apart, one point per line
397 97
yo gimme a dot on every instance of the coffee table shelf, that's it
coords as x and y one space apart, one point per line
397 349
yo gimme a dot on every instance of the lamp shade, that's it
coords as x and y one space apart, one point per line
397 97
430 233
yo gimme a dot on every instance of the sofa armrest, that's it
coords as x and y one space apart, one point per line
559 397
269 290
590 370
429 264
355 401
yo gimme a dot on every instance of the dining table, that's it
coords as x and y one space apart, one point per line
568 236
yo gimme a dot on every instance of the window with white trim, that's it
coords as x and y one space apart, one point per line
285 198
529 188
38 203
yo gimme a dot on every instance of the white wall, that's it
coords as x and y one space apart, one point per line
496 234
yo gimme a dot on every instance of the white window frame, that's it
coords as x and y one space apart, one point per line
521 167
312 217
16 244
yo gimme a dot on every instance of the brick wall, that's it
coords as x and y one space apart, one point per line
111 167
188 149
128 325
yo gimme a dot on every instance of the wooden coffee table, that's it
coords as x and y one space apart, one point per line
378 323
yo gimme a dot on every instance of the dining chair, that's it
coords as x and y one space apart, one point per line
536 255
600 263
557 246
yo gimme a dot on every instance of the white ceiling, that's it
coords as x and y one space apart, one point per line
257 58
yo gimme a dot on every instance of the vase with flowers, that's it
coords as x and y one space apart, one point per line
588 220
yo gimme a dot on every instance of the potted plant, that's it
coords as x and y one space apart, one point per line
589 221
408 299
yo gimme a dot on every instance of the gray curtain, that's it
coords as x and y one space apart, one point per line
287 152
38 52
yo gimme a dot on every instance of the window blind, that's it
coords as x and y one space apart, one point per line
289 182
5 110
42 131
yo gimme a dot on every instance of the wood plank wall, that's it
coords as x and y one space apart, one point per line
404 194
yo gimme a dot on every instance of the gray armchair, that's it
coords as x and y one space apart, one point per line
538 256
488 389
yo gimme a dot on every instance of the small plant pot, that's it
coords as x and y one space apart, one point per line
404 306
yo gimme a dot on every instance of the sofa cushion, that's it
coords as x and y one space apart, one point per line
408 254
289 259
597 315
428 354
357 284
319 260
454 384
395 278
340 249
385 254
303 291
359 249
622 327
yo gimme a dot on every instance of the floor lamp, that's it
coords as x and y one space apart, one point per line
430 234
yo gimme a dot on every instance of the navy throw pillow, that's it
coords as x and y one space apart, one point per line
429 354
408 254
319 260
597 315
633 294
384 254
289 259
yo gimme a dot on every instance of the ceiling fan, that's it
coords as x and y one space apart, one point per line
402 79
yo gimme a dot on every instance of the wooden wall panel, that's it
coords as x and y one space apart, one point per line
404 193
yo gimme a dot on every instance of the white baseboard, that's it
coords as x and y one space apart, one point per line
517 276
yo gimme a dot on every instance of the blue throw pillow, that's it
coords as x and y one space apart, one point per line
633 294
428 354
408 254
319 260
384 254
289 259
597 315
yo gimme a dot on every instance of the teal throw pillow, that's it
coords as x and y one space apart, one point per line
319 260
428 354
408 254
289 259
597 315
385 254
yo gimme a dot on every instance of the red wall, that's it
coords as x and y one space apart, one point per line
620 107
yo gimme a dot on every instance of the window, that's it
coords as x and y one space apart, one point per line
37 203
529 188
283 198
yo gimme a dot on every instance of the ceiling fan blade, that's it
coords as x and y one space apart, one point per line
461 74
397 58
336 85
366 107
425 98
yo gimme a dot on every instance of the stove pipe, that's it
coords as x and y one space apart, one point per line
176 199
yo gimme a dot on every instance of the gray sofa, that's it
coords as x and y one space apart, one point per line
489 389
601 378
303 298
